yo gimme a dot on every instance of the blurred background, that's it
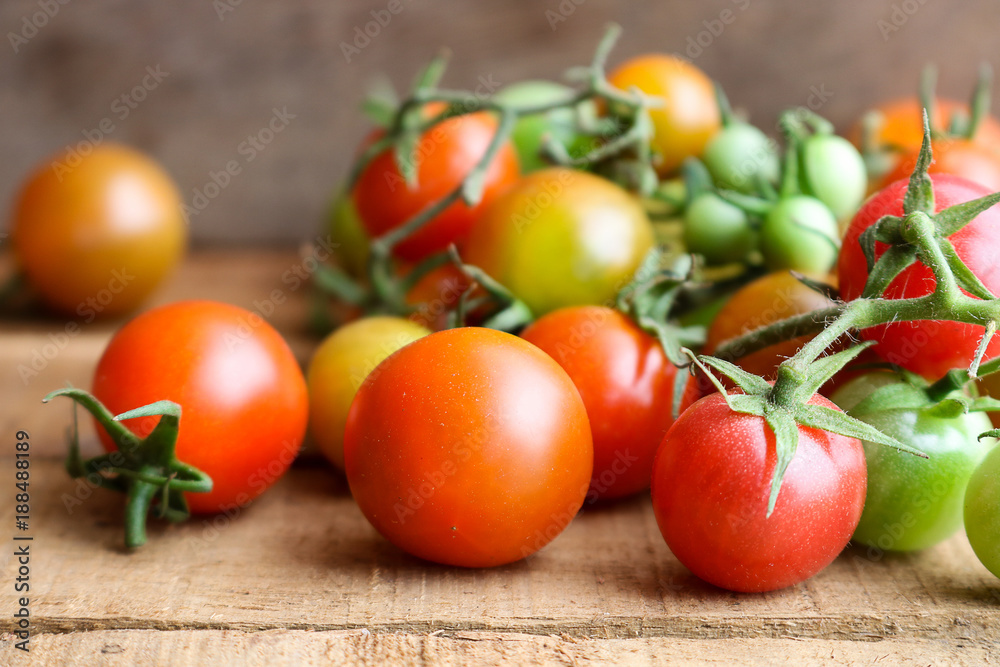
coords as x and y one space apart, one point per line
277 86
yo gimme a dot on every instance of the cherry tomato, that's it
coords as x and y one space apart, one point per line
929 347
96 234
561 237
468 447
689 115
902 127
717 230
982 521
739 156
959 157
348 236
340 365
445 155
800 233
764 301
913 503
627 386
833 172
242 395
711 484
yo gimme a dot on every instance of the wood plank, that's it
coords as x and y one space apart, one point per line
303 557
277 648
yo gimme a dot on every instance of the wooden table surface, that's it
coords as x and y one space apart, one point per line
300 577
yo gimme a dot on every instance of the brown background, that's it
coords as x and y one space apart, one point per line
229 69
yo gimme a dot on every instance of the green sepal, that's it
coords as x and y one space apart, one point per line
980 102
992 433
895 396
835 421
893 261
824 368
381 103
475 182
984 342
697 179
748 382
512 314
141 468
404 151
336 283
919 195
786 441
957 216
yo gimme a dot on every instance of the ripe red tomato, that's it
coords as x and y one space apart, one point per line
764 301
95 236
958 157
468 447
711 484
242 394
690 114
627 386
445 155
930 347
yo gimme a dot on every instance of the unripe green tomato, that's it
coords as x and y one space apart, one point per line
339 366
529 131
717 230
737 154
800 233
347 236
982 520
913 503
834 172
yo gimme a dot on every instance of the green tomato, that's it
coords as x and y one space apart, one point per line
833 171
347 236
339 366
912 503
800 233
738 155
529 131
982 520
717 230
561 237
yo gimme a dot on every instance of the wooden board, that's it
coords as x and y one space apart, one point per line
299 576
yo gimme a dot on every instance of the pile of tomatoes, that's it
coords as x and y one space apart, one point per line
561 232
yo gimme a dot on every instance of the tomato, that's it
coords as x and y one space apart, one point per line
739 155
982 521
833 171
436 295
764 301
711 484
530 131
959 157
468 447
96 234
717 230
243 398
912 503
901 124
348 236
627 386
445 155
561 237
929 347
339 366
689 115
800 233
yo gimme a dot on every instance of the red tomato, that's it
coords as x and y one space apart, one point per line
930 347
242 394
468 447
445 155
711 484
626 383
958 157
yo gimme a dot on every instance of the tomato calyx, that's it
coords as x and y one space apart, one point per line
145 470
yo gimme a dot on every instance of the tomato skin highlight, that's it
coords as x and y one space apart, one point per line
97 238
446 154
468 447
711 482
242 395
561 238
930 348
626 383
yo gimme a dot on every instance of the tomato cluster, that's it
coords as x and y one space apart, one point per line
664 297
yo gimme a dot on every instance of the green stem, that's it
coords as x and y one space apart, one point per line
136 510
